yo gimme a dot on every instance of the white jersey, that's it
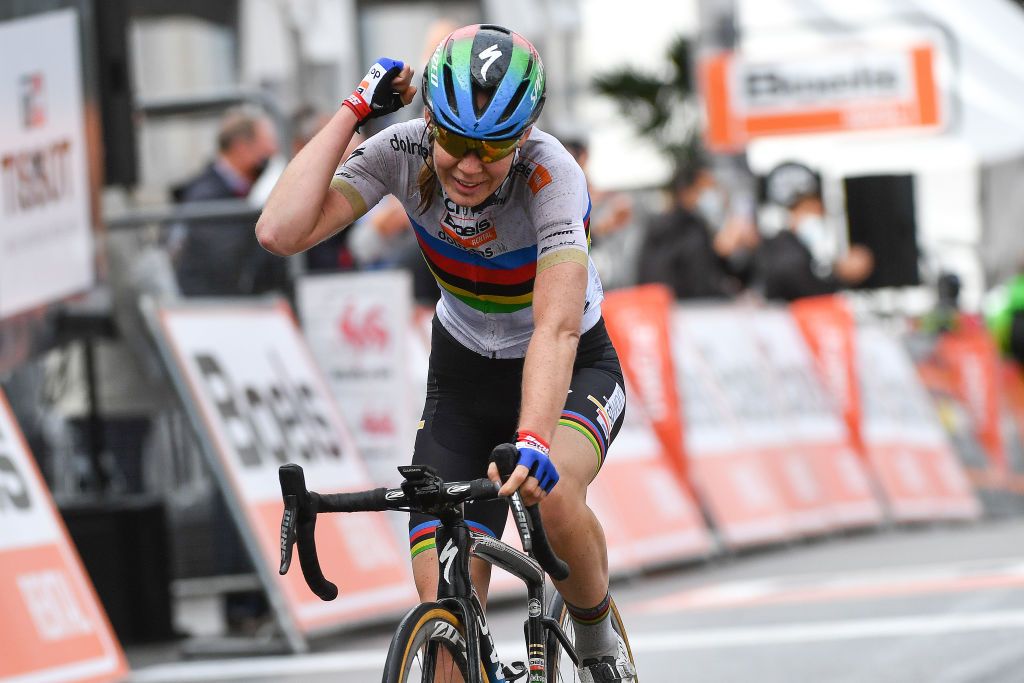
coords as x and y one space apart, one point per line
485 258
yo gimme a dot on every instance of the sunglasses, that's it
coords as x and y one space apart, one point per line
459 146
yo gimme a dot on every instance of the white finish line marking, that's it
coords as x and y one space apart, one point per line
765 634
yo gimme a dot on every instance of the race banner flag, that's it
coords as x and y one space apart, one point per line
818 438
53 627
638 322
830 331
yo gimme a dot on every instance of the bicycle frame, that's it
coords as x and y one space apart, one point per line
455 545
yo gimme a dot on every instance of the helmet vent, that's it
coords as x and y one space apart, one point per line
514 102
449 90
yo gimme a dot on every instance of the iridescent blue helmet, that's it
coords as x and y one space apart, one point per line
484 82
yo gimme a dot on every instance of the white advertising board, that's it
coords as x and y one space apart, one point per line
46 249
259 402
357 326
53 628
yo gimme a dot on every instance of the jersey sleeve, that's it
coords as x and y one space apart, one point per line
369 173
561 211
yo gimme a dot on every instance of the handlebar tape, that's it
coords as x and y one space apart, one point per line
293 485
358 501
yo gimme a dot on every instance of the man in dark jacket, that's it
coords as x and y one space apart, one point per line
689 248
799 261
221 257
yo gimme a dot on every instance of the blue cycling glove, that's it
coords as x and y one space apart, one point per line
374 96
533 455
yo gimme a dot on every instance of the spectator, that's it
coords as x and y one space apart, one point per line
219 257
614 247
690 248
800 260
945 315
1005 317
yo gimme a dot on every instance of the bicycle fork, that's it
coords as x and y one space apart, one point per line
455 583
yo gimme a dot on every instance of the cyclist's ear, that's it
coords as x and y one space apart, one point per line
526 135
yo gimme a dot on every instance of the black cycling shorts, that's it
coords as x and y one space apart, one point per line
473 405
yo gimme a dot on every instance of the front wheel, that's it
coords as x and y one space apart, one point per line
429 647
559 664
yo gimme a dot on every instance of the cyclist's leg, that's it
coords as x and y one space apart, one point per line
575 533
593 414
463 419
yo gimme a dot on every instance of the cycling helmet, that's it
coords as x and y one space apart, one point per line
487 59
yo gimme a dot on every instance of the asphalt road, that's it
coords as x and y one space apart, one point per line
937 604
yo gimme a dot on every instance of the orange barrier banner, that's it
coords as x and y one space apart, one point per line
909 451
722 393
1012 391
53 628
258 401
828 327
973 359
638 321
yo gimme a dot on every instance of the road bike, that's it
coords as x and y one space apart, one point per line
454 624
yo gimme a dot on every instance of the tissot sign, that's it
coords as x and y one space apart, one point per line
843 90
46 248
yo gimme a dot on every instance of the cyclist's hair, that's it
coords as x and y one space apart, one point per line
426 180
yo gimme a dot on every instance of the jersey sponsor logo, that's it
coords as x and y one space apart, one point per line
560 233
469 233
409 146
609 411
486 252
551 247
539 179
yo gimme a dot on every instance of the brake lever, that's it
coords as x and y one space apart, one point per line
289 521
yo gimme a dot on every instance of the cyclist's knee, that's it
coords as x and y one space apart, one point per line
563 505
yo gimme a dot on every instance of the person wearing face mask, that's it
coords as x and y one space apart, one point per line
217 257
519 350
803 259
692 247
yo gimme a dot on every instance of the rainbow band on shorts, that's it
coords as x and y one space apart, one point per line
421 537
584 426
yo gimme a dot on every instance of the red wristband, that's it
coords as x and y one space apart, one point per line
531 440
358 106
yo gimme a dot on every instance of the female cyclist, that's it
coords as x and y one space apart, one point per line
519 350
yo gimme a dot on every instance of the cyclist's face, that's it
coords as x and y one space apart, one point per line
467 180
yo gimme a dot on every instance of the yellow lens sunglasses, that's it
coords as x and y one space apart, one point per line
459 146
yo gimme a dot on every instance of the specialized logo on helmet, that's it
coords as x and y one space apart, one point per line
434 68
538 86
491 54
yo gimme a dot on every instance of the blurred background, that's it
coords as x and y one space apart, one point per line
742 155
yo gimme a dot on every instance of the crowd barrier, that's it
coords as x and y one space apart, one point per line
52 627
746 425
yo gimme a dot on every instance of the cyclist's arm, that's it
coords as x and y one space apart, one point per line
558 298
302 209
